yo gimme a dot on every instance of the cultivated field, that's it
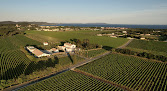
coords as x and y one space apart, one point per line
16 67
13 61
91 53
130 71
154 47
70 81
91 35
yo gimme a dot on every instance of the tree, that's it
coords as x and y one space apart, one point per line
85 43
1 87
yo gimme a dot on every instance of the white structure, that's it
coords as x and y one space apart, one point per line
45 43
69 45
99 35
124 31
113 36
69 49
53 50
36 51
62 48
143 38
30 48
148 34
55 29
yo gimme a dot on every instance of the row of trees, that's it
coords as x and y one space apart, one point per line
85 44
141 54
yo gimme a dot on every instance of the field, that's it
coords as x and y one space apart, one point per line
154 47
93 53
132 72
13 61
91 35
15 64
70 81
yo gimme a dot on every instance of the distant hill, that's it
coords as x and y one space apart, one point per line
97 23
86 23
38 23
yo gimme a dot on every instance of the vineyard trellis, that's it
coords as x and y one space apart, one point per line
149 45
12 60
135 73
70 81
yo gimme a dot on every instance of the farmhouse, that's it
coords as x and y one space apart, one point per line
68 47
62 48
113 36
99 35
124 32
30 48
39 53
53 50
36 51
142 38
45 43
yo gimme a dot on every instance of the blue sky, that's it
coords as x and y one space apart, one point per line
85 11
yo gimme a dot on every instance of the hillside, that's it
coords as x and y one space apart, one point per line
12 60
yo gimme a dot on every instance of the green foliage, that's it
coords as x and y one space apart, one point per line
8 30
85 44
129 71
70 81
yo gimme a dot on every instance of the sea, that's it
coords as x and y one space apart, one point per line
116 25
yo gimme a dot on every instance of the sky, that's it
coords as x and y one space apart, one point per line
85 11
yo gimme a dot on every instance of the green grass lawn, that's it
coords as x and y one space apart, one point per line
91 35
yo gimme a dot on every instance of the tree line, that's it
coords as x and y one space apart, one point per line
9 30
85 44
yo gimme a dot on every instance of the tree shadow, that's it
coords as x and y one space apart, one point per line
72 61
41 65
108 48
13 72
26 70
30 68
62 43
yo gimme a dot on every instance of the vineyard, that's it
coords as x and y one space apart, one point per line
70 81
130 71
16 67
149 45
92 53
13 61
